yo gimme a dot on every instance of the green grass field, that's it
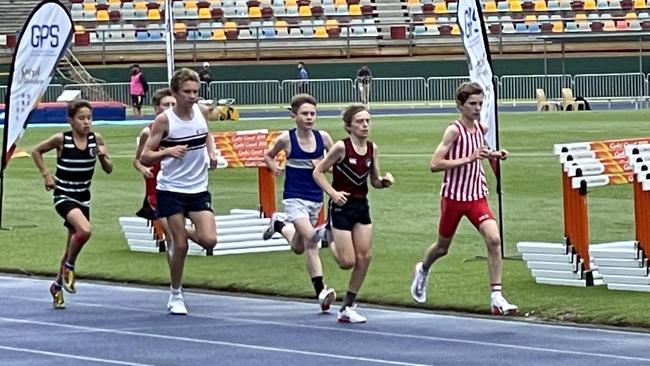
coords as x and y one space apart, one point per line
405 218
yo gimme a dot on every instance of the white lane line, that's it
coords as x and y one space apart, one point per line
74 357
206 341
379 333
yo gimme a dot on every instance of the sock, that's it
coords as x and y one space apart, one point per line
278 226
348 300
317 282
69 265
176 291
58 282
495 288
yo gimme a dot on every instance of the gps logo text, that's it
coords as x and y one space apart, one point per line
41 34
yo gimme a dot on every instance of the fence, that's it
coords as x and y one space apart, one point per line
433 91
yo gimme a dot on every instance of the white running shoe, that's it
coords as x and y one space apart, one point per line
326 298
501 306
270 229
176 305
419 285
350 315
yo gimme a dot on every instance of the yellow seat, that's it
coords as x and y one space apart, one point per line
180 28
337 2
304 11
589 5
331 24
153 14
540 5
254 12
230 26
115 2
491 7
558 26
140 5
354 10
609 26
288 3
89 6
218 34
204 13
102 16
455 31
640 4
530 19
189 4
440 8
281 26
412 2
78 28
514 6
429 21
320 32
630 16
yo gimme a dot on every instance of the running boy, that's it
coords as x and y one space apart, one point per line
302 197
181 141
464 193
354 160
162 100
77 151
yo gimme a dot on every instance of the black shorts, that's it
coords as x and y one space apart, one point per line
65 207
171 203
355 211
147 212
136 100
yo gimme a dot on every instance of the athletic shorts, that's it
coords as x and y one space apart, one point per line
296 208
136 100
64 207
452 211
172 203
354 211
147 211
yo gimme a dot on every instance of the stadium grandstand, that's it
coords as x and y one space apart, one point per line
541 48
127 30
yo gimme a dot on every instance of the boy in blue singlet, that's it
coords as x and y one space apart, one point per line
302 197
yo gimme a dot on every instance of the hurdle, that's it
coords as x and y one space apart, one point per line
241 230
626 268
584 165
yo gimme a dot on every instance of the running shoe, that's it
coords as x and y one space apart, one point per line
419 285
326 298
57 296
350 315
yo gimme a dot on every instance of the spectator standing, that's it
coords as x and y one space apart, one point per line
206 79
138 87
304 77
364 77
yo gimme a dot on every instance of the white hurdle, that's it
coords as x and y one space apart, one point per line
238 232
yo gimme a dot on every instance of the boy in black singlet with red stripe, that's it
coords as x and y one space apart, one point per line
354 160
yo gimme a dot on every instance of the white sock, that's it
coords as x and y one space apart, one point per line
176 291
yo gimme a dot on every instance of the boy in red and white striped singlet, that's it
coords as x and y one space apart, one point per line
464 193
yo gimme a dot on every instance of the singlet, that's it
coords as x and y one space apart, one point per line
74 170
189 174
351 173
299 182
466 182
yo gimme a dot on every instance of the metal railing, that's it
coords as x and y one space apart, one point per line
434 91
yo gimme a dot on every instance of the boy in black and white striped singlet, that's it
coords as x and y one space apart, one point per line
77 152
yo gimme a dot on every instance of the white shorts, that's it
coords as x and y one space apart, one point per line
296 208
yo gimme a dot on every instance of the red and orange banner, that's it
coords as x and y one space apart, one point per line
245 149
605 145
